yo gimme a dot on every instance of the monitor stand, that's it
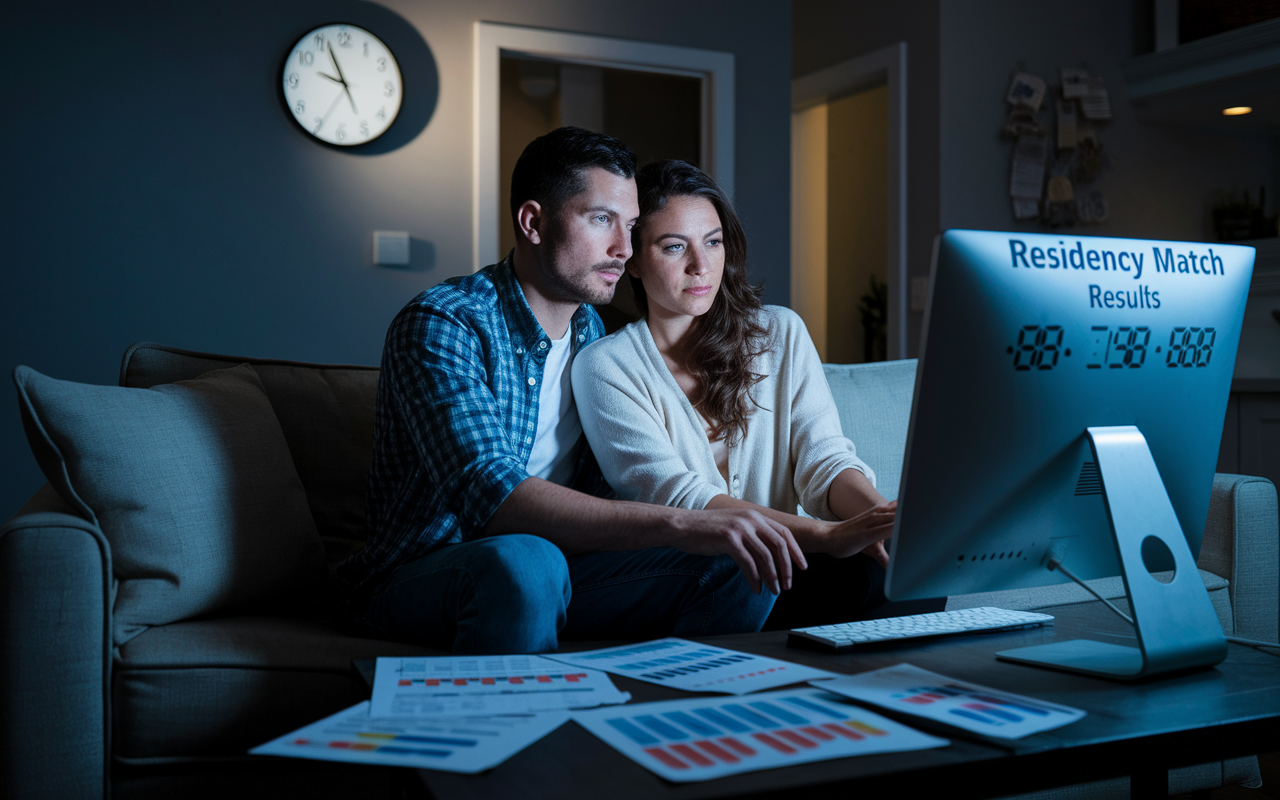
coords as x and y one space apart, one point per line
1176 626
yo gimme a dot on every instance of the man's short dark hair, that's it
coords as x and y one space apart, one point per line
549 171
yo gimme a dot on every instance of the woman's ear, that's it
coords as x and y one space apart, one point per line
530 221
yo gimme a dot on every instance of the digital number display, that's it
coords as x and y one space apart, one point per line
1126 347
1039 347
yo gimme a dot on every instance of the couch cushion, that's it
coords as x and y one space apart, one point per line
874 401
217 687
191 483
325 411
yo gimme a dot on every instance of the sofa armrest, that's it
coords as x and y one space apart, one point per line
1242 544
55 660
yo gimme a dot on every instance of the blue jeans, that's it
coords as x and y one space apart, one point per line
518 593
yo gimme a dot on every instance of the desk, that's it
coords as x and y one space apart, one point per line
1132 729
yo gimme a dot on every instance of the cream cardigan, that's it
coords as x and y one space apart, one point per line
652 446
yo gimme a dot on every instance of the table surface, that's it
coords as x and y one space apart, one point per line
1147 727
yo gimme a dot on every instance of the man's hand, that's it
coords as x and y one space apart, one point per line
863 533
762 548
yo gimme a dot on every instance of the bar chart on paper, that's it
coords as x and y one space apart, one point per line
694 667
453 744
980 709
485 685
704 738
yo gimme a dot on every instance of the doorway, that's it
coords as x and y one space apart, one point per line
848 221
596 82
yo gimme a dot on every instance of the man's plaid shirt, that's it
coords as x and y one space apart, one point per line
456 416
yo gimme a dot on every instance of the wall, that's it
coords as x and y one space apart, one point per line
827 32
155 189
1162 179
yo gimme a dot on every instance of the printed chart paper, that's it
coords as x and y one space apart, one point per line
704 738
485 685
694 667
452 744
980 709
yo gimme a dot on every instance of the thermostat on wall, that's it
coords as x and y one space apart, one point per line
391 248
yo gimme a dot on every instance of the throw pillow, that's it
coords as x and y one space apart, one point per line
192 484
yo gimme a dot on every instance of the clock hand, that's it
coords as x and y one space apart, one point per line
330 77
334 57
325 118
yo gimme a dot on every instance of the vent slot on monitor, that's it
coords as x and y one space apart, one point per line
1090 480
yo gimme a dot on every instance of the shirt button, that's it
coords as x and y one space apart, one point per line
581 336
528 440
542 345
533 381
519 349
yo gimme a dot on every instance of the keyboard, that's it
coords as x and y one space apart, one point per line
942 623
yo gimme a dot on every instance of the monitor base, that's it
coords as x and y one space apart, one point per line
1081 655
1175 624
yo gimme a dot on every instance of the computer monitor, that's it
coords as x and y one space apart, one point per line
1069 404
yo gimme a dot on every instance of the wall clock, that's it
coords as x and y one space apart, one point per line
342 85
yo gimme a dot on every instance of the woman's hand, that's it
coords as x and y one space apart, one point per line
863 533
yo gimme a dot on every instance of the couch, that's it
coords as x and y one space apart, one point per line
131 670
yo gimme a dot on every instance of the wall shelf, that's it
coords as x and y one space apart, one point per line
1190 84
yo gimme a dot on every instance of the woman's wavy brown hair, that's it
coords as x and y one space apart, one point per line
728 338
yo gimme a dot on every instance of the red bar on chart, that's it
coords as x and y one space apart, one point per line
795 738
693 755
718 751
821 736
774 743
433 681
666 758
544 679
734 744
486 681
843 731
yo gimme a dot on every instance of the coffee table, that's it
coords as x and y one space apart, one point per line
1136 729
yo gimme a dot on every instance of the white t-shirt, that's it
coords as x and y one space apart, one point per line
554 454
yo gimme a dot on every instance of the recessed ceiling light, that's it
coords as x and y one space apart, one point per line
1236 111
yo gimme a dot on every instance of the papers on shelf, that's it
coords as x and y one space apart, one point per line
991 712
467 744
419 686
694 667
703 738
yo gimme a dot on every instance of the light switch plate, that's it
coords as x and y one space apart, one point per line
391 248
919 293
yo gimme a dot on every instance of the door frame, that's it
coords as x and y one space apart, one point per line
885 67
492 40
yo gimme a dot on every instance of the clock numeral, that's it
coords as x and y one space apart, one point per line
319 40
364 128
306 58
319 122
344 39
300 108
293 80
366 49
382 113
382 65
388 89
341 133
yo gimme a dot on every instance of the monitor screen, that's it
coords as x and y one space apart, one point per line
1029 339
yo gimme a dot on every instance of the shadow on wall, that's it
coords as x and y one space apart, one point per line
417 71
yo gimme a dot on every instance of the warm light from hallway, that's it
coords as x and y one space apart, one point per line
1236 111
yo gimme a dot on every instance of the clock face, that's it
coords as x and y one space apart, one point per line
342 85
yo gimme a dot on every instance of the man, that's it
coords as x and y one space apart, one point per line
490 530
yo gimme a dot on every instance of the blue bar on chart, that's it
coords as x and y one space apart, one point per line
703 738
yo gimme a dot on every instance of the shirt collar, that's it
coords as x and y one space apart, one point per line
524 326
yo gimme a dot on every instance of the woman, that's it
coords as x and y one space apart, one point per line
714 401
